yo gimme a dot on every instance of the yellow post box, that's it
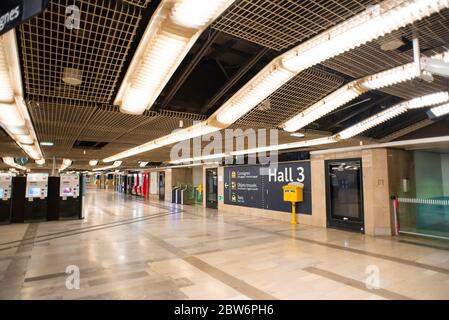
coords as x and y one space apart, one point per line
293 192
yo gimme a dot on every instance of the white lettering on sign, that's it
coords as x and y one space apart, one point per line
275 175
9 17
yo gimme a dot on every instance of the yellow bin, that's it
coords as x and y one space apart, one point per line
293 192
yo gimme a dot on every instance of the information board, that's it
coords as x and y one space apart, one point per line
260 186
243 186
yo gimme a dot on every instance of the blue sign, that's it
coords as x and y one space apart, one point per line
260 186
15 12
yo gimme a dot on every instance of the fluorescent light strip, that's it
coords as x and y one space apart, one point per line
193 165
351 91
202 158
420 102
115 165
292 145
197 130
440 110
9 161
378 20
171 33
14 116
374 22
373 121
265 83
324 106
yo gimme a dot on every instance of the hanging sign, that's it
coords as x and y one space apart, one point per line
16 12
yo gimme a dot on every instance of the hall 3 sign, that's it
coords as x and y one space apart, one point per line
286 174
15 12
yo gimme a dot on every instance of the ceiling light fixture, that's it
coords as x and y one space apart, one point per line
14 116
292 145
354 89
47 144
197 130
93 163
116 164
440 111
202 158
143 164
40 162
374 22
171 33
65 164
387 114
298 135
266 82
324 106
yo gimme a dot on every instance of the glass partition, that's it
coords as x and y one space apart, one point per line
423 196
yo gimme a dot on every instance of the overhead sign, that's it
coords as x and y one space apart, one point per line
260 187
15 12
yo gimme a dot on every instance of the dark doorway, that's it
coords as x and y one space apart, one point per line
344 194
161 186
211 188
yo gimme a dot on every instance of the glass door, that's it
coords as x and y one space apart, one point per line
211 188
345 194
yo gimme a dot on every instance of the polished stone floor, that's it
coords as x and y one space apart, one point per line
128 248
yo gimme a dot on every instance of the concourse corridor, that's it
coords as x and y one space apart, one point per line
128 248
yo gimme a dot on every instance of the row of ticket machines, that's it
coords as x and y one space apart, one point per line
38 197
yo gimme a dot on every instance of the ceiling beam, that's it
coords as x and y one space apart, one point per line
189 68
233 80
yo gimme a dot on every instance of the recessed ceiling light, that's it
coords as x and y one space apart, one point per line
72 76
392 44
298 135
47 144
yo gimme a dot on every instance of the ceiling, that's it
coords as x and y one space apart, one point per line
83 123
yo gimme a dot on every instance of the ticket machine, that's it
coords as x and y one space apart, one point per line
36 197
70 196
5 197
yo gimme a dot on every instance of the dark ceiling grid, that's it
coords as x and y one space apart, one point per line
58 120
281 24
139 3
98 49
47 47
370 58
298 94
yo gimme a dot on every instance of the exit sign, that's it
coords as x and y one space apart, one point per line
15 12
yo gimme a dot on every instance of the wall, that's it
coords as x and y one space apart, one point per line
197 173
375 190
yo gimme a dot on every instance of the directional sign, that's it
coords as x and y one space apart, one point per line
260 187
16 12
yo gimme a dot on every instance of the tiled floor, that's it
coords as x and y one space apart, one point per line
131 249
